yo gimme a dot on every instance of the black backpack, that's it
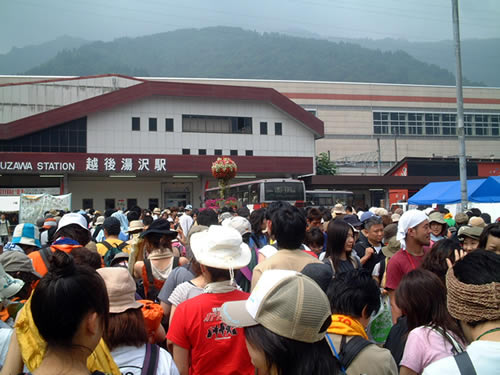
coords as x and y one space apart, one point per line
112 251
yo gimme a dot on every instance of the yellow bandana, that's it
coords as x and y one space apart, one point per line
347 326
33 346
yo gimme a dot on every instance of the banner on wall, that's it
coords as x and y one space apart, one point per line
33 206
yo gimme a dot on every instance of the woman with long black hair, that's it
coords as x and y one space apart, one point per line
433 333
339 247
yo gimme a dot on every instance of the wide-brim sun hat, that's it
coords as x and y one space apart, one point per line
121 289
72 218
9 286
239 223
220 247
135 226
160 226
15 261
285 302
392 247
436 217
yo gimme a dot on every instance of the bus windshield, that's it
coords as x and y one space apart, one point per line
329 198
284 191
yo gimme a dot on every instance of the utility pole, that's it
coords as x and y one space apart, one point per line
460 107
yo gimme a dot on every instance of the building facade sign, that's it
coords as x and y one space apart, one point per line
144 164
30 190
64 162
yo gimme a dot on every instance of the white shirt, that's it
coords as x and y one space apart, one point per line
186 222
485 356
130 359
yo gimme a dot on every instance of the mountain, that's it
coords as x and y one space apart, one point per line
18 60
227 52
480 57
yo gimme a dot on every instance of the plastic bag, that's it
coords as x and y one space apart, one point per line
379 327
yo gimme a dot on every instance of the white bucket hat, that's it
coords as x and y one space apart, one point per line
220 247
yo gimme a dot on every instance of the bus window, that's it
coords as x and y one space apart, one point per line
255 193
285 191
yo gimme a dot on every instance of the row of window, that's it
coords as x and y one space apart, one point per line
408 123
153 124
218 152
110 203
67 137
209 124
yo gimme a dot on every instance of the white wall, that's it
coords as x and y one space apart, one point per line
111 130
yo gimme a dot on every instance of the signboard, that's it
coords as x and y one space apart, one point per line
85 163
34 206
30 190
488 169
401 171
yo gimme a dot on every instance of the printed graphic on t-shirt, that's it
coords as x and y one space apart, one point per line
219 331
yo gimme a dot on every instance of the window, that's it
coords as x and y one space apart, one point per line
152 124
87 203
217 152
495 120
278 128
398 123
380 123
186 151
449 123
136 124
109 204
233 152
481 124
153 203
169 124
216 124
415 124
263 128
468 124
248 152
202 151
131 202
432 124
67 137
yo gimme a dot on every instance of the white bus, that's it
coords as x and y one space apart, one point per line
257 194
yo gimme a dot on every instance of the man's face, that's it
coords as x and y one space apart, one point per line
375 233
422 233
470 244
314 223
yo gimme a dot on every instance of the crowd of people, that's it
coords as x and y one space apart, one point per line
279 290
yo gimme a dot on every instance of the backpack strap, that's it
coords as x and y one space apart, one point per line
457 347
122 245
151 358
151 280
350 349
46 254
465 364
175 263
107 244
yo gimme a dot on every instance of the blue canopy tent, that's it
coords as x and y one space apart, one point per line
447 192
488 192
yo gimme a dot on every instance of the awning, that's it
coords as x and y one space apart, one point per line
444 192
488 192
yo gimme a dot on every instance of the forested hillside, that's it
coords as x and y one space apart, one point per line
226 52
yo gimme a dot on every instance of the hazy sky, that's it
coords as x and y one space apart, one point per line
24 22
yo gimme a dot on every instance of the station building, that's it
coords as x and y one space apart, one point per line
114 140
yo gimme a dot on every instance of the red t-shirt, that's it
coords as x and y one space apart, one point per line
214 347
399 265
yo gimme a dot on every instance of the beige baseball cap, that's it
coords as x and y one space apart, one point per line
285 302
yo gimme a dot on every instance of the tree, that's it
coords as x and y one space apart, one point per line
324 166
